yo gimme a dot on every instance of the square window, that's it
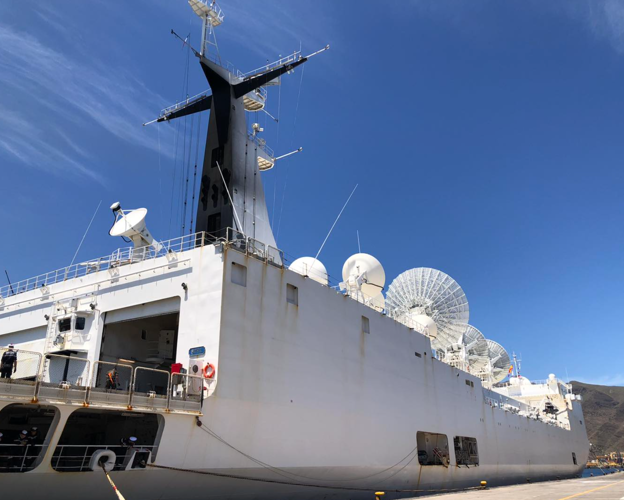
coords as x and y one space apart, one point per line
80 322
365 325
292 294
239 274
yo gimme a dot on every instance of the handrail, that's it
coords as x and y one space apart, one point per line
134 380
114 259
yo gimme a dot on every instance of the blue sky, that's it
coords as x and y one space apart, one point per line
485 136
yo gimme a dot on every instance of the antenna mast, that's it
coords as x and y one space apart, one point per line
211 16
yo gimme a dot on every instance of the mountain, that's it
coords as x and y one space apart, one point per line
603 407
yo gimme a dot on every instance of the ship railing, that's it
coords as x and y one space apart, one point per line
119 257
261 143
18 457
137 386
185 102
289 59
107 392
65 383
236 240
151 389
24 382
77 458
187 391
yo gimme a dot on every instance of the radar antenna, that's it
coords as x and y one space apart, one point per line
431 302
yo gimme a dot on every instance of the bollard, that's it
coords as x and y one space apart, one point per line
379 494
483 485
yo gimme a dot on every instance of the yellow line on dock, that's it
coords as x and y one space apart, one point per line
592 490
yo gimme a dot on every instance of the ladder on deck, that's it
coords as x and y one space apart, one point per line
443 459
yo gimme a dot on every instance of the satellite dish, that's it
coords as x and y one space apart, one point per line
131 225
363 274
432 293
476 349
499 361
310 267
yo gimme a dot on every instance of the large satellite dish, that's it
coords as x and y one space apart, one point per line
423 294
499 361
476 349
310 267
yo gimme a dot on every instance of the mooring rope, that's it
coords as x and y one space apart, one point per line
322 486
119 495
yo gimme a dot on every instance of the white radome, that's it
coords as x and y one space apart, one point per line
310 267
427 324
368 267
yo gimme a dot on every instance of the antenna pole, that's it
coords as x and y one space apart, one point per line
334 225
85 234
357 232
9 280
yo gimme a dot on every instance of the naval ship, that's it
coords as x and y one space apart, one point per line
210 366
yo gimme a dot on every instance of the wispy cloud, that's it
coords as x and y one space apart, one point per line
78 89
604 19
27 143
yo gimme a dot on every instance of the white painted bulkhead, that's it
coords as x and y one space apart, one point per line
300 387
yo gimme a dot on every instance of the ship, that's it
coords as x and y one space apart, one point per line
209 366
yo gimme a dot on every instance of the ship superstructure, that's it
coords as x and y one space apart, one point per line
241 376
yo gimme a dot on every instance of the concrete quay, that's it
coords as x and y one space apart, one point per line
609 487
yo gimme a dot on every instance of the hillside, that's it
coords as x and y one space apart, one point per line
603 407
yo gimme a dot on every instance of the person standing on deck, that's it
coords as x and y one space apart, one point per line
8 364
112 380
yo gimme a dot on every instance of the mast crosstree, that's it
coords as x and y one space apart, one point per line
230 182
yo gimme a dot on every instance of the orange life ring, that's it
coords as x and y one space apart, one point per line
209 371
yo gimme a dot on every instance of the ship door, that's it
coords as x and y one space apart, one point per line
144 336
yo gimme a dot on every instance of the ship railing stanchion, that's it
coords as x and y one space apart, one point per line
131 392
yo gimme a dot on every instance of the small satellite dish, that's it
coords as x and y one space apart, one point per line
428 292
363 275
310 267
499 361
476 349
131 224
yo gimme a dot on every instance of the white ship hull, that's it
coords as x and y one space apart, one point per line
298 387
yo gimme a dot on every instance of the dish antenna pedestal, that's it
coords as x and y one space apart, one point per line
363 280
131 224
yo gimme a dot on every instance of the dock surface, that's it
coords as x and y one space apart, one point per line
609 487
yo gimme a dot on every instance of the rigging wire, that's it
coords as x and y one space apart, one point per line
292 137
195 173
285 473
85 234
279 108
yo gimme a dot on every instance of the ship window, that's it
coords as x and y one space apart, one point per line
418 355
239 274
19 453
469 383
466 452
365 325
292 294
432 448
574 458
80 322
64 325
